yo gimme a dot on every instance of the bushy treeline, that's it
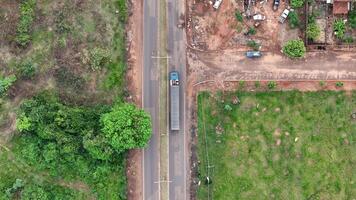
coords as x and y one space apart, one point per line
23 190
81 143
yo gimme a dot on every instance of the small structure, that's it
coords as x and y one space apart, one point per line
340 7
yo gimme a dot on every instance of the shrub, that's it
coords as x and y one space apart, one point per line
339 84
26 69
271 85
5 84
253 44
339 28
294 49
98 58
322 83
251 31
257 84
15 187
227 107
27 14
311 18
348 39
352 19
313 31
296 3
239 16
62 25
293 20
23 123
67 79
241 84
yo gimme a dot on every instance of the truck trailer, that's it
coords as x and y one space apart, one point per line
174 100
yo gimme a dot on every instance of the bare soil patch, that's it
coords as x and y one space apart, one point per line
134 82
211 29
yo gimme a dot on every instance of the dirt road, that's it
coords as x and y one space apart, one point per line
233 65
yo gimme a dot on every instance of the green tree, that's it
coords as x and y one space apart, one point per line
293 20
126 127
339 28
294 49
313 31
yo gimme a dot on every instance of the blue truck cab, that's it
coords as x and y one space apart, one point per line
174 78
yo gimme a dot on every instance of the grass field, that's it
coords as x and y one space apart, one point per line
277 145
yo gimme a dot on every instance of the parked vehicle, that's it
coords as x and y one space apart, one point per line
217 4
283 16
259 17
253 54
276 4
174 100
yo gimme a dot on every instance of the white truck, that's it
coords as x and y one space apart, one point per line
217 4
174 94
283 16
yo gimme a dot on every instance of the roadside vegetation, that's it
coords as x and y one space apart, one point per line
276 145
294 49
65 125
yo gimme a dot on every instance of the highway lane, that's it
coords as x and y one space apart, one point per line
150 94
178 158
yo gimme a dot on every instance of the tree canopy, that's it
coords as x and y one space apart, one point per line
126 127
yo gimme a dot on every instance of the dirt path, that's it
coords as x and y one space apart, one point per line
134 82
233 65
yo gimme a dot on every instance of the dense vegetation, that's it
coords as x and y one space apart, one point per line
84 143
294 49
277 145
59 84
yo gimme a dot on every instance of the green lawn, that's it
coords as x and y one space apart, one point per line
277 145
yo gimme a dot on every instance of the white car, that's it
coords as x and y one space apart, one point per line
259 17
283 16
217 4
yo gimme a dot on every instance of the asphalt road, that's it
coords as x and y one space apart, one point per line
150 94
177 139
